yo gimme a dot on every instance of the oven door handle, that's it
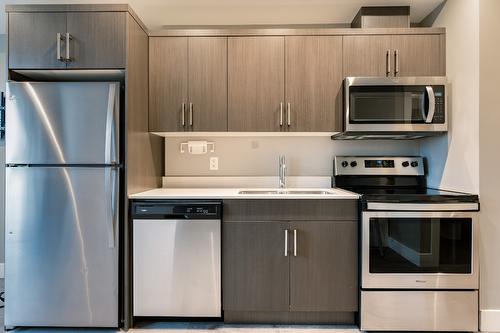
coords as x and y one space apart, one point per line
432 104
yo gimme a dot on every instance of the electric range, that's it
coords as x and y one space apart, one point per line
419 246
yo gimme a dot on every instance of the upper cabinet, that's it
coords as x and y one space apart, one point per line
33 40
287 84
97 40
367 55
313 83
395 55
419 55
188 84
59 40
256 84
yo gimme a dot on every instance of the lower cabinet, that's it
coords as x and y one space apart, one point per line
255 269
284 271
323 266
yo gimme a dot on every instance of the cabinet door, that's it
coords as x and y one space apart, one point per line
98 39
168 70
208 83
255 83
313 76
367 55
33 40
324 272
254 266
420 55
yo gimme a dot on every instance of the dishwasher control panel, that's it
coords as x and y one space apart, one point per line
176 209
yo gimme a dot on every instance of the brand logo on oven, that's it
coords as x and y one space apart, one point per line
420 281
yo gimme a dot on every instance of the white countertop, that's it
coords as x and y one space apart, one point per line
232 193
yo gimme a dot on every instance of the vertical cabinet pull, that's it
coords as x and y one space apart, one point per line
68 44
294 242
286 242
396 62
191 114
388 62
58 47
288 116
281 114
183 114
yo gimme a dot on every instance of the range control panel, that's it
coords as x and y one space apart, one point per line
379 165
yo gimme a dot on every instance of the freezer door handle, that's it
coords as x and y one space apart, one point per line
111 144
111 193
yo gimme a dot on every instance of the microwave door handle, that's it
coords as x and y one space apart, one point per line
432 104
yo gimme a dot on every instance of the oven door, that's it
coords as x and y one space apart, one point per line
419 250
406 104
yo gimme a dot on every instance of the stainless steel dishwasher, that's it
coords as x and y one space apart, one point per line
177 258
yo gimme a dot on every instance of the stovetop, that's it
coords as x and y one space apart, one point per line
412 195
392 179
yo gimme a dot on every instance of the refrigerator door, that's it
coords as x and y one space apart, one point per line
61 246
62 122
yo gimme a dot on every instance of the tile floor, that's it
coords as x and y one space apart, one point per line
195 328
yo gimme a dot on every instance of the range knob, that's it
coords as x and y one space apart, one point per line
414 164
344 164
405 164
354 163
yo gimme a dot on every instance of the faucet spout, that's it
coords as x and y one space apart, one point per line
282 171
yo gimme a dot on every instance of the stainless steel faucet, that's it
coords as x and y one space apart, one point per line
282 171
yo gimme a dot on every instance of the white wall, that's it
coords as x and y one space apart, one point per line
454 158
489 163
258 156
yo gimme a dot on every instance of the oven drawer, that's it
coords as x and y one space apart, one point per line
419 310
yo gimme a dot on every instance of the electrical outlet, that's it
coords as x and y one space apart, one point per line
214 163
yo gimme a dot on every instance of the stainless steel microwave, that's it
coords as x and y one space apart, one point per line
394 107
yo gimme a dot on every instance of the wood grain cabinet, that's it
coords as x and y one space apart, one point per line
188 84
255 269
313 83
272 263
73 40
394 55
256 84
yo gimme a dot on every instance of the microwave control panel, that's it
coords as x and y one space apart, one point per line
439 97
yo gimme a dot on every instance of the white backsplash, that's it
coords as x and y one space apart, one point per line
258 156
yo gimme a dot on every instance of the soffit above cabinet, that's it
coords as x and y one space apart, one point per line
156 14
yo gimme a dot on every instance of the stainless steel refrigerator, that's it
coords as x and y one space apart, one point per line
62 204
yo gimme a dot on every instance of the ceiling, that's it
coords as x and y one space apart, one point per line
157 13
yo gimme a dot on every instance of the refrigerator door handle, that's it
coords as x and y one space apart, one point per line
111 193
111 143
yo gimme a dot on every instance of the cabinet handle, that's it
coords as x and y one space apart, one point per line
281 114
58 46
288 116
183 114
190 114
68 43
286 242
388 62
294 242
396 61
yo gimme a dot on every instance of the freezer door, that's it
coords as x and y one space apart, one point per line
61 260
62 122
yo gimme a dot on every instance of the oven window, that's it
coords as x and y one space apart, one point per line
388 104
420 245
